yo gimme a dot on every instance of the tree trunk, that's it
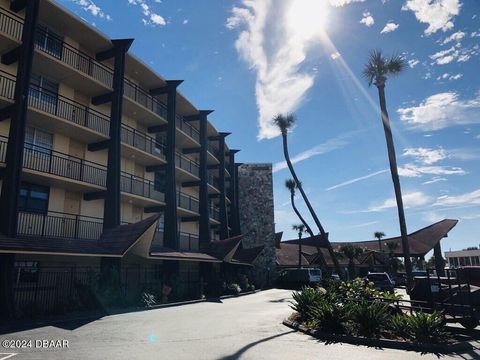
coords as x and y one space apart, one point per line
309 206
309 230
396 184
299 252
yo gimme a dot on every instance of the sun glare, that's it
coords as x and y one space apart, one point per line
308 18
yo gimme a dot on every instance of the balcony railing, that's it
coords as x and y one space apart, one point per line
139 186
187 202
187 164
212 149
187 128
214 213
59 225
143 97
3 148
7 85
67 109
143 142
213 181
188 242
48 161
11 24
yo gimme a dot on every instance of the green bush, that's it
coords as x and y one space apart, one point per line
368 318
233 289
328 316
399 325
303 300
427 328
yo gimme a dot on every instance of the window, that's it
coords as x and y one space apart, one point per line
159 181
49 41
44 90
27 271
38 140
33 198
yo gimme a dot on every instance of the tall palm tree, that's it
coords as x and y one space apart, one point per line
291 185
376 71
379 235
301 229
284 123
351 252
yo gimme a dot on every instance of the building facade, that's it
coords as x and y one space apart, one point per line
459 258
102 161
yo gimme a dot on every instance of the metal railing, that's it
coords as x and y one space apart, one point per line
143 97
7 85
3 148
188 202
187 128
187 164
188 242
212 149
45 160
139 186
59 225
142 141
57 48
214 212
213 181
65 108
11 24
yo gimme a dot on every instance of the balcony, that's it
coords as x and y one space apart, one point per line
11 27
52 162
141 96
189 135
214 213
141 141
7 87
188 242
139 186
190 166
188 202
59 225
213 182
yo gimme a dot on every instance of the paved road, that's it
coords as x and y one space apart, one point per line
247 327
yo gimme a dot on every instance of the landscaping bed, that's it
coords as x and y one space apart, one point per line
354 312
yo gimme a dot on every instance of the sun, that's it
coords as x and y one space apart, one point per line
308 18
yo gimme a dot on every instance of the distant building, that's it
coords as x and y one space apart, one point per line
460 258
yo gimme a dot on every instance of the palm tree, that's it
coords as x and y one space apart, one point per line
301 229
392 246
284 123
379 235
376 71
351 252
291 185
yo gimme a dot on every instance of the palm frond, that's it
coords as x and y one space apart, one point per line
284 122
395 65
290 185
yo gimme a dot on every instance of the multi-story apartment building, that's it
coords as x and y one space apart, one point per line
465 257
96 150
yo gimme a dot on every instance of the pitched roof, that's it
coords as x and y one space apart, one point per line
247 256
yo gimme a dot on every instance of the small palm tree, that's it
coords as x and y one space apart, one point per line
291 185
351 252
285 123
392 247
300 228
379 235
376 71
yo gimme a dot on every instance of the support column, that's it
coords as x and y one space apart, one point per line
18 118
224 232
112 205
233 221
439 263
14 156
204 224
237 203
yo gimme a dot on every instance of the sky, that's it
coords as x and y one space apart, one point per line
250 60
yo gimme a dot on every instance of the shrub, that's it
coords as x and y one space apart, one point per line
148 300
328 316
303 300
233 289
427 328
399 325
368 318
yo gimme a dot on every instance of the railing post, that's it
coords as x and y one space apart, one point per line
82 164
76 226
43 224
87 110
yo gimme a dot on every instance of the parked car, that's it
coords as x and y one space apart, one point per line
381 281
296 278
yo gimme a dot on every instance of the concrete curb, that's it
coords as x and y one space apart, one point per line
115 311
456 347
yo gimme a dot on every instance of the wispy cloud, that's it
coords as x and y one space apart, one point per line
412 199
352 181
367 19
434 180
336 143
364 224
389 27
92 8
437 14
454 53
413 62
456 37
442 110
471 198
415 170
150 17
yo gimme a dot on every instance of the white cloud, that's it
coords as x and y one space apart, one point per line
475 34
150 18
335 55
471 198
413 62
352 181
343 2
434 180
415 170
455 77
438 14
456 36
185 22
337 142
367 19
92 8
275 39
425 155
389 27
442 110
412 199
